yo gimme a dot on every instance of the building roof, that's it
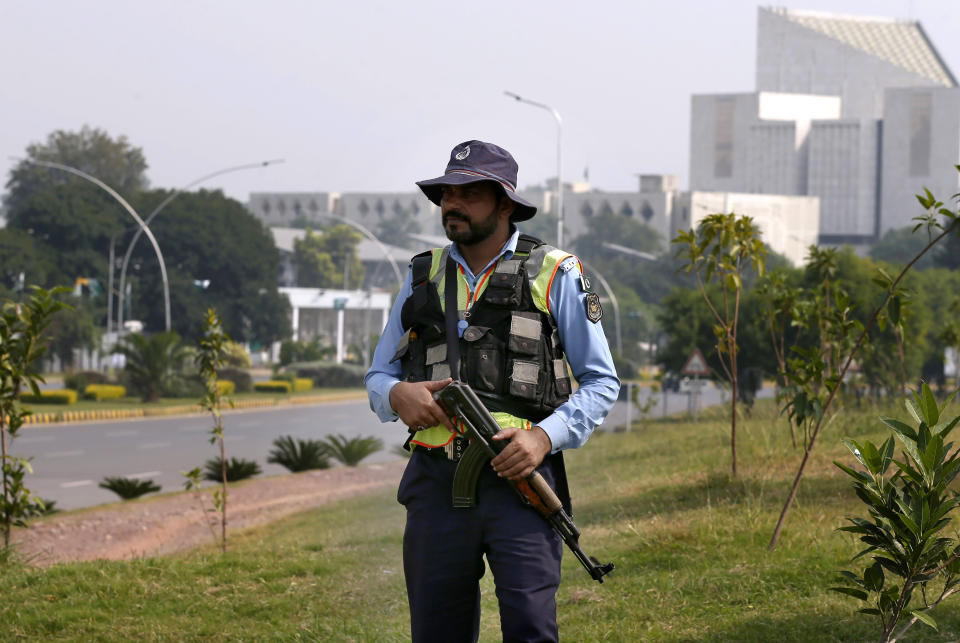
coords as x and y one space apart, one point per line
899 42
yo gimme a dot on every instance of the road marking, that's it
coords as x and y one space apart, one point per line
63 454
153 445
31 440
146 474
76 483
121 434
192 429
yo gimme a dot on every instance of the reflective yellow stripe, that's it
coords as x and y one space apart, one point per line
540 288
438 436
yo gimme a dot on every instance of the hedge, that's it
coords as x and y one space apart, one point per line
238 376
226 387
302 384
329 374
57 396
79 380
273 386
104 392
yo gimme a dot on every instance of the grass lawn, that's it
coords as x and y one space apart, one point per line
690 546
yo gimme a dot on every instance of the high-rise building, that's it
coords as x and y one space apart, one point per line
859 112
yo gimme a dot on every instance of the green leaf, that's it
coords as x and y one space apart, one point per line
873 577
928 405
849 591
925 618
893 309
872 611
900 427
914 409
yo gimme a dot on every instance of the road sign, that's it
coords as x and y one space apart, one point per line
696 364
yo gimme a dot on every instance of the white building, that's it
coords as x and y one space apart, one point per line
845 109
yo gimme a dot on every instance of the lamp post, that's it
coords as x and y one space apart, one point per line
613 301
140 222
151 217
556 115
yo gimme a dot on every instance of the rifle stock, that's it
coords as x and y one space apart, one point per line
459 401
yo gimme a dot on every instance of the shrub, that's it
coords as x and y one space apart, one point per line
273 386
299 455
129 488
237 469
239 377
79 380
235 354
329 374
226 387
60 396
350 452
302 384
100 392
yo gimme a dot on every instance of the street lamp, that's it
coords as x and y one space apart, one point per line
152 215
556 115
140 222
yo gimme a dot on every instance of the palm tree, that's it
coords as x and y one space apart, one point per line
151 363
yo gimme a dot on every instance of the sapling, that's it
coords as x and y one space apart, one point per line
915 565
936 230
210 357
22 330
724 246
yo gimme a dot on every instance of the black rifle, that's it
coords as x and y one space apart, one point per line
459 401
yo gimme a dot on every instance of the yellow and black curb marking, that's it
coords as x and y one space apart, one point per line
184 409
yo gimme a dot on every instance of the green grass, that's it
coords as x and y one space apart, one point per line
690 546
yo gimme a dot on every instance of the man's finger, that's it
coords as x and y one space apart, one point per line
506 434
438 384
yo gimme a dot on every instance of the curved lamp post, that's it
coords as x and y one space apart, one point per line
556 115
152 216
613 300
140 222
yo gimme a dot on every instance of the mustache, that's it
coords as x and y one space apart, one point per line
455 214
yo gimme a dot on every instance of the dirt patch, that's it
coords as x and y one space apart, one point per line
177 522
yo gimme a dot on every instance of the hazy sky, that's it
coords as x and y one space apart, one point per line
359 95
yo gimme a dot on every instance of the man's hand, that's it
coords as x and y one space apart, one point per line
414 403
526 451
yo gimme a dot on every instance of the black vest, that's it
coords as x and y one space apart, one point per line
510 352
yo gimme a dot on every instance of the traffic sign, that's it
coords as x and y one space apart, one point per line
696 364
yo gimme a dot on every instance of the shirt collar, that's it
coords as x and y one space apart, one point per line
506 252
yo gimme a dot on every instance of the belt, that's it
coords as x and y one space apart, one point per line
451 451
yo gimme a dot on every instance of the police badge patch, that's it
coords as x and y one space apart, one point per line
594 311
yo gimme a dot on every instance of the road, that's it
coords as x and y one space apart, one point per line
70 460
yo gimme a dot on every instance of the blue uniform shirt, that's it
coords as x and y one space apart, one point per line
583 341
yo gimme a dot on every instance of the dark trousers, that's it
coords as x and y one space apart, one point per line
443 551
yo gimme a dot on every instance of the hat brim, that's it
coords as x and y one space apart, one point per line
433 190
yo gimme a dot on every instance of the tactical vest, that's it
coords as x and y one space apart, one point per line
510 351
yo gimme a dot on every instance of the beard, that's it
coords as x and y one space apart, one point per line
475 232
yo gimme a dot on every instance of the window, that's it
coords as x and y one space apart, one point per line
646 211
920 109
723 138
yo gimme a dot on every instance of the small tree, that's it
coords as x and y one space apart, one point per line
909 512
210 355
724 246
22 329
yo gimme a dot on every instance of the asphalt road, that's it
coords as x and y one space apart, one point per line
70 460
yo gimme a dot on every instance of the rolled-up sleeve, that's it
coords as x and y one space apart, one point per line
384 374
590 360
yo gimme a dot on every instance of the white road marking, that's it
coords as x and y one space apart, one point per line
153 445
146 474
63 454
121 434
38 438
76 483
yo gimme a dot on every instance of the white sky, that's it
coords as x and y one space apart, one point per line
364 95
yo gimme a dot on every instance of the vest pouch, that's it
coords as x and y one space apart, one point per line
484 358
410 352
525 329
525 379
437 366
503 289
561 379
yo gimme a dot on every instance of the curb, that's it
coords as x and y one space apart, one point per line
54 417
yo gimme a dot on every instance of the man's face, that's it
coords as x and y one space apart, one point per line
470 212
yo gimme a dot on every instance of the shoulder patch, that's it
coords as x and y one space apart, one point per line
594 310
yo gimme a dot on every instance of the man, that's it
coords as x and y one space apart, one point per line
523 311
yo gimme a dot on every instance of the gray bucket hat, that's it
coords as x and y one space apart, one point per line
474 161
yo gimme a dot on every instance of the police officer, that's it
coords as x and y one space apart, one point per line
524 312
